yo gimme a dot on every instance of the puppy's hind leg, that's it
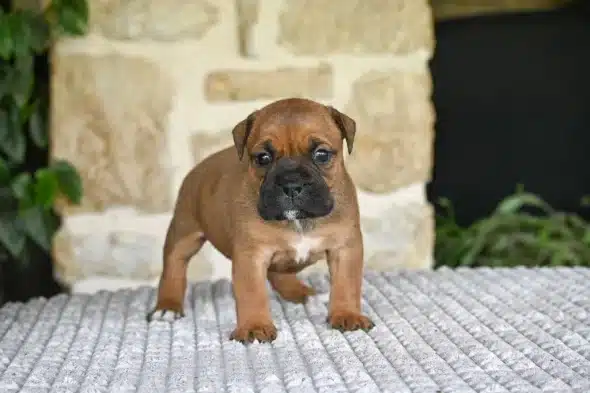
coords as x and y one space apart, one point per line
289 287
183 240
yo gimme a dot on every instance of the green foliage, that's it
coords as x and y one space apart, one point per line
27 199
523 231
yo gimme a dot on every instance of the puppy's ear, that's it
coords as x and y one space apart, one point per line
241 132
346 125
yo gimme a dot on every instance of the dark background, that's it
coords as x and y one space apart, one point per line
512 99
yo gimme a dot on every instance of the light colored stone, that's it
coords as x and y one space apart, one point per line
246 85
153 19
414 238
393 144
324 27
205 144
247 11
120 243
127 245
194 111
109 118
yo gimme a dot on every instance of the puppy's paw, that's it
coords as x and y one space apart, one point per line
166 311
298 294
349 321
261 331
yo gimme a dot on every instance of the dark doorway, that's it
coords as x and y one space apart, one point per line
512 96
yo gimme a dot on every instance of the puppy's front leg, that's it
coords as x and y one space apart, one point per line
254 321
346 277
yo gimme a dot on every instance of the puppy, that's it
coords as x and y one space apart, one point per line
276 202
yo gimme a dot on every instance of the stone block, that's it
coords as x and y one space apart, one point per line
402 238
160 20
321 27
270 83
122 244
205 144
393 144
247 14
109 118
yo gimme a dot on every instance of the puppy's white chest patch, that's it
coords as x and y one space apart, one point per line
303 247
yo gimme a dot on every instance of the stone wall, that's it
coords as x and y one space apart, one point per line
157 85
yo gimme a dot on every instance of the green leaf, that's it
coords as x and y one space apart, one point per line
12 139
20 32
40 33
5 78
22 79
11 238
70 183
5 37
516 202
72 16
22 187
46 188
4 173
37 130
21 184
39 225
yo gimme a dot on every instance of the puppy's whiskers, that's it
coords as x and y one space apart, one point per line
291 215
299 225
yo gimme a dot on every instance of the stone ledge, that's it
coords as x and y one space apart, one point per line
126 244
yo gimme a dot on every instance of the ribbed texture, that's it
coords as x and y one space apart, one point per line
482 330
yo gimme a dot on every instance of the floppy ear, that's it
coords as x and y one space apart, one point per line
241 132
346 125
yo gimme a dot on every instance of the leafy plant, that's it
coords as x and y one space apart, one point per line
523 231
27 197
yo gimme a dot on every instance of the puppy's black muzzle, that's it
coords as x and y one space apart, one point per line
294 189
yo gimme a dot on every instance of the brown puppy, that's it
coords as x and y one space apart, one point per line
281 203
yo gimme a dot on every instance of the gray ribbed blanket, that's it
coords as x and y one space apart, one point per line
482 330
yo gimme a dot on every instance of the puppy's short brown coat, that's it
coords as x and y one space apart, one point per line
278 201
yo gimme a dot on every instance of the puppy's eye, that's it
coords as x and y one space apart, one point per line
263 159
322 156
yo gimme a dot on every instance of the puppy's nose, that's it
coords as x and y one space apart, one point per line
292 190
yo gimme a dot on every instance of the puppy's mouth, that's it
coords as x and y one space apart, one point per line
274 212
294 191
314 202
291 215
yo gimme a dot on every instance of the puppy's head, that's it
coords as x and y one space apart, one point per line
295 156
